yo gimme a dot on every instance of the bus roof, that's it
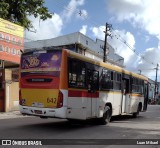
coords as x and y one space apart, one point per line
89 60
106 65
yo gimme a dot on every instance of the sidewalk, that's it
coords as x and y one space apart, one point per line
12 114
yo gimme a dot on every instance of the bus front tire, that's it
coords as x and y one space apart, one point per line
106 116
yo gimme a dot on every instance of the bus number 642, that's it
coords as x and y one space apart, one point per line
51 100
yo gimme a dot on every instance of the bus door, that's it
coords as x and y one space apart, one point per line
146 96
126 97
93 94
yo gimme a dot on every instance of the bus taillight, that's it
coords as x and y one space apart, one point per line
20 98
60 99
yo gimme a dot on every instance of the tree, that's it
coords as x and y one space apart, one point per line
17 11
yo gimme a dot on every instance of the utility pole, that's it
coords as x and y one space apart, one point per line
108 28
155 90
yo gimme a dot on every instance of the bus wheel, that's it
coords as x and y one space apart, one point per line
106 116
136 113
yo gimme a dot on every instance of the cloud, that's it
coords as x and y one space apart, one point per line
72 9
49 28
118 45
83 30
118 42
149 69
98 32
132 61
135 62
141 13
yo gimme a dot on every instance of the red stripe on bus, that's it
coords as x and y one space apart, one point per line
79 93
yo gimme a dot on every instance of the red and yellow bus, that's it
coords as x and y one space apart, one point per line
60 83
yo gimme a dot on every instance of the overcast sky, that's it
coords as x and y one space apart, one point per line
134 22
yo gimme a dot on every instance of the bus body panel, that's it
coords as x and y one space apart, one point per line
41 98
136 100
82 104
105 97
44 111
117 101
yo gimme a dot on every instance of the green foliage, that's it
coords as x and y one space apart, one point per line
17 11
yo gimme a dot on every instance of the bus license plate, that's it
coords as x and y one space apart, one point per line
38 111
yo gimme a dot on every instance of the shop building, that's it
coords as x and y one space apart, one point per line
11 45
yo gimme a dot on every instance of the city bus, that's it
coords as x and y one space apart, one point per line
59 83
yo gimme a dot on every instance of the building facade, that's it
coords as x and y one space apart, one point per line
81 44
11 44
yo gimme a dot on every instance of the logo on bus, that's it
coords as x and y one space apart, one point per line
31 62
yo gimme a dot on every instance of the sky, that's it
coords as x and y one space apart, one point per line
135 32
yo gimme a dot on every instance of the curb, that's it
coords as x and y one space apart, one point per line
10 115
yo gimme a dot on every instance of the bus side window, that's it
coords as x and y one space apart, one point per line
72 79
92 80
77 74
106 79
96 80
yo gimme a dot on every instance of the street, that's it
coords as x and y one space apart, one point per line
146 126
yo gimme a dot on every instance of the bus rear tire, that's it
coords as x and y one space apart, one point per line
106 116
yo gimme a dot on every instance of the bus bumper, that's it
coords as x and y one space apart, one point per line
43 112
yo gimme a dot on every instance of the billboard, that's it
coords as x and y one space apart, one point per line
11 41
11 28
41 63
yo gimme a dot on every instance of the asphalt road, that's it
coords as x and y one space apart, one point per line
146 126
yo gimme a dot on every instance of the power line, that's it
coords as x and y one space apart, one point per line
133 49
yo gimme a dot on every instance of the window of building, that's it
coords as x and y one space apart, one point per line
1 48
15 75
13 40
1 36
101 46
7 49
7 38
19 42
13 51
18 52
